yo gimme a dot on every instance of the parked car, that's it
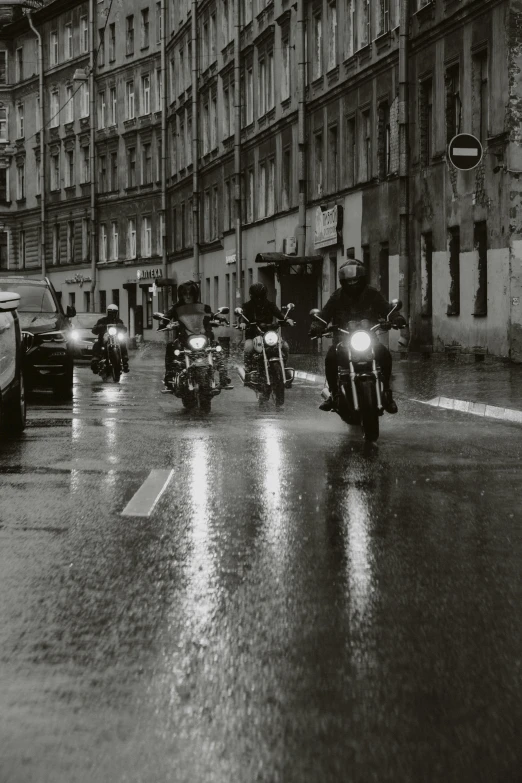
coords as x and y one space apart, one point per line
49 359
12 393
82 338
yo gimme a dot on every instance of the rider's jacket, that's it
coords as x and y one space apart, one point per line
342 308
260 313
101 325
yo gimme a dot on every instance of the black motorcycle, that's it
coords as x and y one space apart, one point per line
269 374
110 362
360 386
194 355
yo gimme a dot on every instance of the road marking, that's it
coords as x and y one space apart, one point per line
145 499
466 152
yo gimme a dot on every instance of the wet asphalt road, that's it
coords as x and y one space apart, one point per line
299 606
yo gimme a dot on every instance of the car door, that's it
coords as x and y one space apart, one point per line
7 350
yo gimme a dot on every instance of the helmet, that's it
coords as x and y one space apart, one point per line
352 272
190 288
112 308
257 291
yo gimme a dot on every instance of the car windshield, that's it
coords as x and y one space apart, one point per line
33 298
86 320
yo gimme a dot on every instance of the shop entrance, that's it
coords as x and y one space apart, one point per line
299 286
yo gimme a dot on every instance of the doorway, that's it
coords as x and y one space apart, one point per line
299 286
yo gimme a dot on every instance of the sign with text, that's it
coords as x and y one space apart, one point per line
328 226
147 274
231 259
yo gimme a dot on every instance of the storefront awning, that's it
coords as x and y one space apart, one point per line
280 259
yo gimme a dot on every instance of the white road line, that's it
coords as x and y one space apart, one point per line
145 499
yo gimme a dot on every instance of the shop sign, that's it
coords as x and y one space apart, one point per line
147 274
231 259
328 226
78 279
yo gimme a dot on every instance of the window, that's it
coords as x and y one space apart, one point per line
55 171
146 164
131 238
87 301
318 164
130 34
145 94
114 240
215 211
102 163
384 16
86 238
226 113
53 48
113 106
55 109
70 241
426 121
159 161
159 30
131 167
366 145
261 191
332 35
3 78
286 192
351 151
159 90
144 28
285 69
69 103
3 122
216 293
102 110
213 38
19 64
383 140
250 196
116 297
86 165
112 42
146 237
68 41
129 100
453 104
426 274
38 183
69 169
84 99
205 129
454 267
317 65
384 270
20 180
101 46
480 97
227 216
333 159
249 96
213 122
20 125
103 301
349 29
206 216
480 242
114 171
21 249
56 243
270 194
84 35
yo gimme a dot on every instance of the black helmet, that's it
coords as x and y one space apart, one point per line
352 273
189 288
257 291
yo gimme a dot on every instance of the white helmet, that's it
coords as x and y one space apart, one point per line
112 308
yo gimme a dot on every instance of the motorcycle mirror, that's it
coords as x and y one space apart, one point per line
224 310
238 311
314 312
158 316
397 303
290 306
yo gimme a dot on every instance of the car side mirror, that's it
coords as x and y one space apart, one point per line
71 311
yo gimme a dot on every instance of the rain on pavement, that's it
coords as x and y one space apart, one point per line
299 606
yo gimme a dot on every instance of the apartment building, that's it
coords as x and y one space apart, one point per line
451 246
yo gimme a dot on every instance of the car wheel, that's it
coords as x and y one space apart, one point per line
15 413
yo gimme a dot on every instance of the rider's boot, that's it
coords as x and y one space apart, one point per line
330 404
225 382
95 366
125 365
388 403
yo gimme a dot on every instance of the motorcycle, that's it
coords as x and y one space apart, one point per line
111 362
194 355
360 386
269 376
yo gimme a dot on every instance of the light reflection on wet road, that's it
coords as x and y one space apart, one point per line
300 606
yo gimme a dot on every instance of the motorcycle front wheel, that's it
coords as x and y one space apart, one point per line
278 383
115 365
368 409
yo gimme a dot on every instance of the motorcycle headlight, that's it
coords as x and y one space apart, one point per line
218 348
121 336
74 335
112 331
360 341
197 343
177 352
271 338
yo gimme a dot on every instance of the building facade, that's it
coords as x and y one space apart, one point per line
452 247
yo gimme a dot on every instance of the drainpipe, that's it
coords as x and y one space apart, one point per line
42 140
164 140
404 166
237 149
195 144
92 155
301 132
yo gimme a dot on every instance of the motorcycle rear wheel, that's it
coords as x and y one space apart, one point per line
368 408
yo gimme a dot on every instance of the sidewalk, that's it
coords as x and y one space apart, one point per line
491 388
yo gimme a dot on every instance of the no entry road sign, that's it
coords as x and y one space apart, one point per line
465 151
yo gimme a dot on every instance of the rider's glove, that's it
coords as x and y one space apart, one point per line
315 330
400 321
242 325
290 322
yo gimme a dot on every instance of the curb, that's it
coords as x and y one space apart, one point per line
475 408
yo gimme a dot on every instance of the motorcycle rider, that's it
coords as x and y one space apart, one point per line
355 300
260 310
100 329
188 293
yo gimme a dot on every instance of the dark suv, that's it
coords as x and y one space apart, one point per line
49 356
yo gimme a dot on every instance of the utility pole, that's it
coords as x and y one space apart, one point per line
404 163
42 140
237 149
92 153
195 144
301 129
163 143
